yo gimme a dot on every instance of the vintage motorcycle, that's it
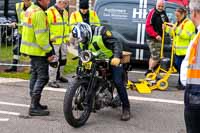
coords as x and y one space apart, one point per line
92 90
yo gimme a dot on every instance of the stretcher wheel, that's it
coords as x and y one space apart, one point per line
151 76
162 84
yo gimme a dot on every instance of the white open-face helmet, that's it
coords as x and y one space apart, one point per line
82 32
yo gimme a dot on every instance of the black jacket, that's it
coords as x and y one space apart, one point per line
109 40
154 22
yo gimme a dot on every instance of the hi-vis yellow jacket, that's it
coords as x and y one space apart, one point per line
184 33
193 70
35 35
77 18
20 14
59 26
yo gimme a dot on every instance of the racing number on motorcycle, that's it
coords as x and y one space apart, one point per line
87 65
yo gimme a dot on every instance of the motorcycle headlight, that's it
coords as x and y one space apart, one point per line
85 56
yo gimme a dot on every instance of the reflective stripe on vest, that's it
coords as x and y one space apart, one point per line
59 28
35 45
41 31
193 72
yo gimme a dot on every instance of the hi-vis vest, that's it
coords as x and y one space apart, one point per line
193 72
97 45
184 33
35 35
77 18
59 26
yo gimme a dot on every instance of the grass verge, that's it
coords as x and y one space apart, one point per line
70 67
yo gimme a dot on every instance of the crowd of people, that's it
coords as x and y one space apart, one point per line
46 32
186 41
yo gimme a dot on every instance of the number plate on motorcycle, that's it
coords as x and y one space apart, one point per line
87 65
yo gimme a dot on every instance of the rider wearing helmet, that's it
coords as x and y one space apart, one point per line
99 39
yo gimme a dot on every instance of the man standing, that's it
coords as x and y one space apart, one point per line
59 39
156 17
35 43
190 74
21 7
84 15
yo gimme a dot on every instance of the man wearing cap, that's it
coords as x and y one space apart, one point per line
84 15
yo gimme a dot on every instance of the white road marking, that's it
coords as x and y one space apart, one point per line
155 100
10 80
130 97
9 113
13 104
53 89
4 119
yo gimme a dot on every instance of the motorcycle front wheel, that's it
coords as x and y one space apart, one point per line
75 111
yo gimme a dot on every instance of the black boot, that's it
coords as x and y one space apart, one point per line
12 68
35 109
43 107
126 115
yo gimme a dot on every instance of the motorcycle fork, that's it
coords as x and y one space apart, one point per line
90 90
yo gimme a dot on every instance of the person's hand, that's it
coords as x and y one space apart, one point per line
158 37
71 39
115 61
51 58
170 24
163 26
13 24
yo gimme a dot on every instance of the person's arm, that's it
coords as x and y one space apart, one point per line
149 27
112 43
40 27
187 31
72 21
96 19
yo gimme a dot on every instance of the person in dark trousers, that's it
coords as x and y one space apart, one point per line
184 30
102 40
21 7
190 75
155 18
35 43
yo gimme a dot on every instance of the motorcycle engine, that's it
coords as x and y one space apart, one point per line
103 99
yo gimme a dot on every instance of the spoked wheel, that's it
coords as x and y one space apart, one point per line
75 111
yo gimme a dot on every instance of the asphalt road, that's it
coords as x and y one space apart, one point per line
158 112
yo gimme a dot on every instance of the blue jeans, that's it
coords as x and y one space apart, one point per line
118 78
178 62
39 74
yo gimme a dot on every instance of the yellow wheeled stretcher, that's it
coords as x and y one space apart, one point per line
159 78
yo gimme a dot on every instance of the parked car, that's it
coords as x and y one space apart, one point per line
126 19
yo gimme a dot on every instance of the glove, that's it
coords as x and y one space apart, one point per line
53 61
115 61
